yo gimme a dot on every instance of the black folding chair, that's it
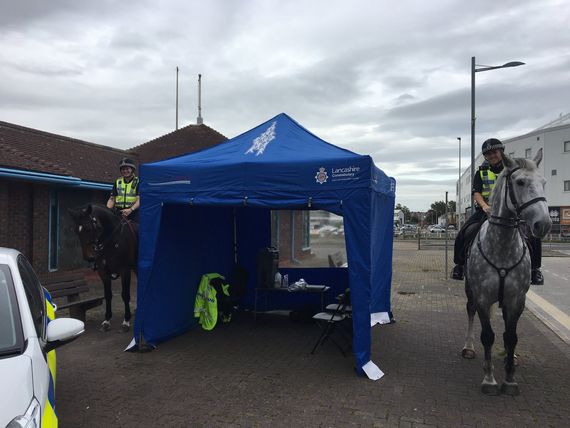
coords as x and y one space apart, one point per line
336 325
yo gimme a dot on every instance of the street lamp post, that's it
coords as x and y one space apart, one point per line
458 204
476 69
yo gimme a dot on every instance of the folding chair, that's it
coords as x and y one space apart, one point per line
336 325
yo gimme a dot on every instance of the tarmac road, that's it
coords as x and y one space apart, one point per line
551 302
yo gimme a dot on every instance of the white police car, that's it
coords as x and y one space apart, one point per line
28 336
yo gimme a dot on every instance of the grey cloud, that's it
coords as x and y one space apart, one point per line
392 82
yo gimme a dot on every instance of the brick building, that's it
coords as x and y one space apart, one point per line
43 174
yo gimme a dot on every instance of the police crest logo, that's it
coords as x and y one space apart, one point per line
322 175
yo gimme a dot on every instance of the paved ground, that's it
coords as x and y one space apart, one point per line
262 374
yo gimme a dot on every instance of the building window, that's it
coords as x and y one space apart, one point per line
567 186
53 232
553 172
567 146
527 153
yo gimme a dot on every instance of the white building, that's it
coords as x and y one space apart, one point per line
399 217
554 139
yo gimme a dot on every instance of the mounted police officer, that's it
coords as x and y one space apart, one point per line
125 193
483 183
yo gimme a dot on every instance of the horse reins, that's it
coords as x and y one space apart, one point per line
511 222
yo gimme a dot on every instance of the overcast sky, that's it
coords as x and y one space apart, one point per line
385 78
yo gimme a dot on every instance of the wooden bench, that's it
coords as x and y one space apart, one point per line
68 292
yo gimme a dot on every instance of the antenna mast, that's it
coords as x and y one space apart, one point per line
199 120
176 97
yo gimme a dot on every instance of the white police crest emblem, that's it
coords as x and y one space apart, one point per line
322 175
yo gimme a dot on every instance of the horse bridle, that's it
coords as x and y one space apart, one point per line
98 245
513 222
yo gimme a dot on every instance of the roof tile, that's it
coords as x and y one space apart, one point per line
34 150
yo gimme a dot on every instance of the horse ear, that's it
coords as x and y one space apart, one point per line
538 157
508 161
87 210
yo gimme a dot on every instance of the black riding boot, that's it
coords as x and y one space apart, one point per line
536 277
457 272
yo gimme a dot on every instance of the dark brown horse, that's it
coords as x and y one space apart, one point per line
111 242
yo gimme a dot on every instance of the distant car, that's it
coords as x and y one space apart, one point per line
29 333
436 229
327 230
451 227
339 231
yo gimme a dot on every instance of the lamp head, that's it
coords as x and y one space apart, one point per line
513 64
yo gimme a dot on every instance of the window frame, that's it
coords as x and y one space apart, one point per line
33 290
19 345
567 185
53 231
306 230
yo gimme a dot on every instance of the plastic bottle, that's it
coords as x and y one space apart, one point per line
278 279
286 281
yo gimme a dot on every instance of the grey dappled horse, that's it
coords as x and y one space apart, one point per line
498 265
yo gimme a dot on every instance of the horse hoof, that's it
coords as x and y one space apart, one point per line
468 354
510 388
105 326
490 389
124 328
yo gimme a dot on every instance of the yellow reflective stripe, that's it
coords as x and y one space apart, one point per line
126 193
49 418
51 359
488 180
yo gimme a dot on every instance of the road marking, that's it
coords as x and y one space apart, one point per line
550 309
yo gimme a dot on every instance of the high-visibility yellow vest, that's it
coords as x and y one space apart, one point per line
488 178
206 304
49 416
126 193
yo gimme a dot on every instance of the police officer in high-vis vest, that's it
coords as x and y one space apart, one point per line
483 183
125 193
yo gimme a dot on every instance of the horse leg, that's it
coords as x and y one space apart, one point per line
469 347
489 385
106 324
510 339
126 295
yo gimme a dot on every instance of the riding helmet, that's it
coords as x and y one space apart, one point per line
492 144
127 162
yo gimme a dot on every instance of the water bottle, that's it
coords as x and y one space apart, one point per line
286 281
277 283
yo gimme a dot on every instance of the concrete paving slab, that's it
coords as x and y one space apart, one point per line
262 374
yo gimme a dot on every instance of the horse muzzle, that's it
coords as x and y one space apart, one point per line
540 229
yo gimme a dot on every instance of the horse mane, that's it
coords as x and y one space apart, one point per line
107 217
519 163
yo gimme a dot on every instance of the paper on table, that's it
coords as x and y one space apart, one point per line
372 371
